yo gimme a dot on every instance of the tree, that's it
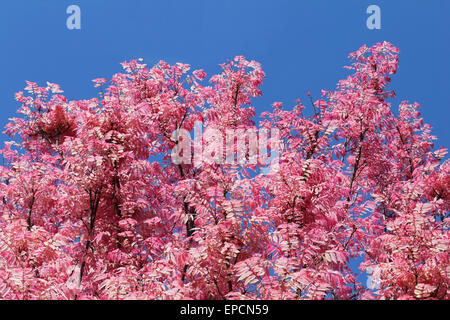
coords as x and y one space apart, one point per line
95 207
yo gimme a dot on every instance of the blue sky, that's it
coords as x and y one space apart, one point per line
302 45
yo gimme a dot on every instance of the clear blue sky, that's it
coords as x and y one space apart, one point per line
302 45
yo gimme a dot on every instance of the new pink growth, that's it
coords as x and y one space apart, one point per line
92 207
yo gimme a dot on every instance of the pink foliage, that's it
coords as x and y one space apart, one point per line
93 208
